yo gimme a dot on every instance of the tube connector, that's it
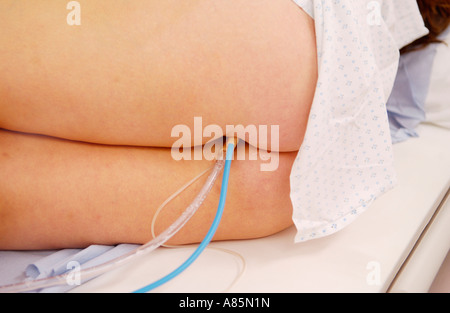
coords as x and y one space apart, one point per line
231 140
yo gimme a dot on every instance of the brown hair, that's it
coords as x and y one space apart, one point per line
436 15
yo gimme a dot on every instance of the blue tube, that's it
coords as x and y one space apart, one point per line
209 235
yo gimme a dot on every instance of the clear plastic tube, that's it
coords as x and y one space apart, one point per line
212 230
92 272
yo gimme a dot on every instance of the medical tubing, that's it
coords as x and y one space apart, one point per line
92 272
209 235
173 196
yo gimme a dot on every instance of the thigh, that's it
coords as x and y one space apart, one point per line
132 71
60 194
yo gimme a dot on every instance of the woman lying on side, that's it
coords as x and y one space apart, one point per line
86 114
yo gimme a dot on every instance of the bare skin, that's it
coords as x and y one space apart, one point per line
106 95
56 193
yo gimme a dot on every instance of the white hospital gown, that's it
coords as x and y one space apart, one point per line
346 159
